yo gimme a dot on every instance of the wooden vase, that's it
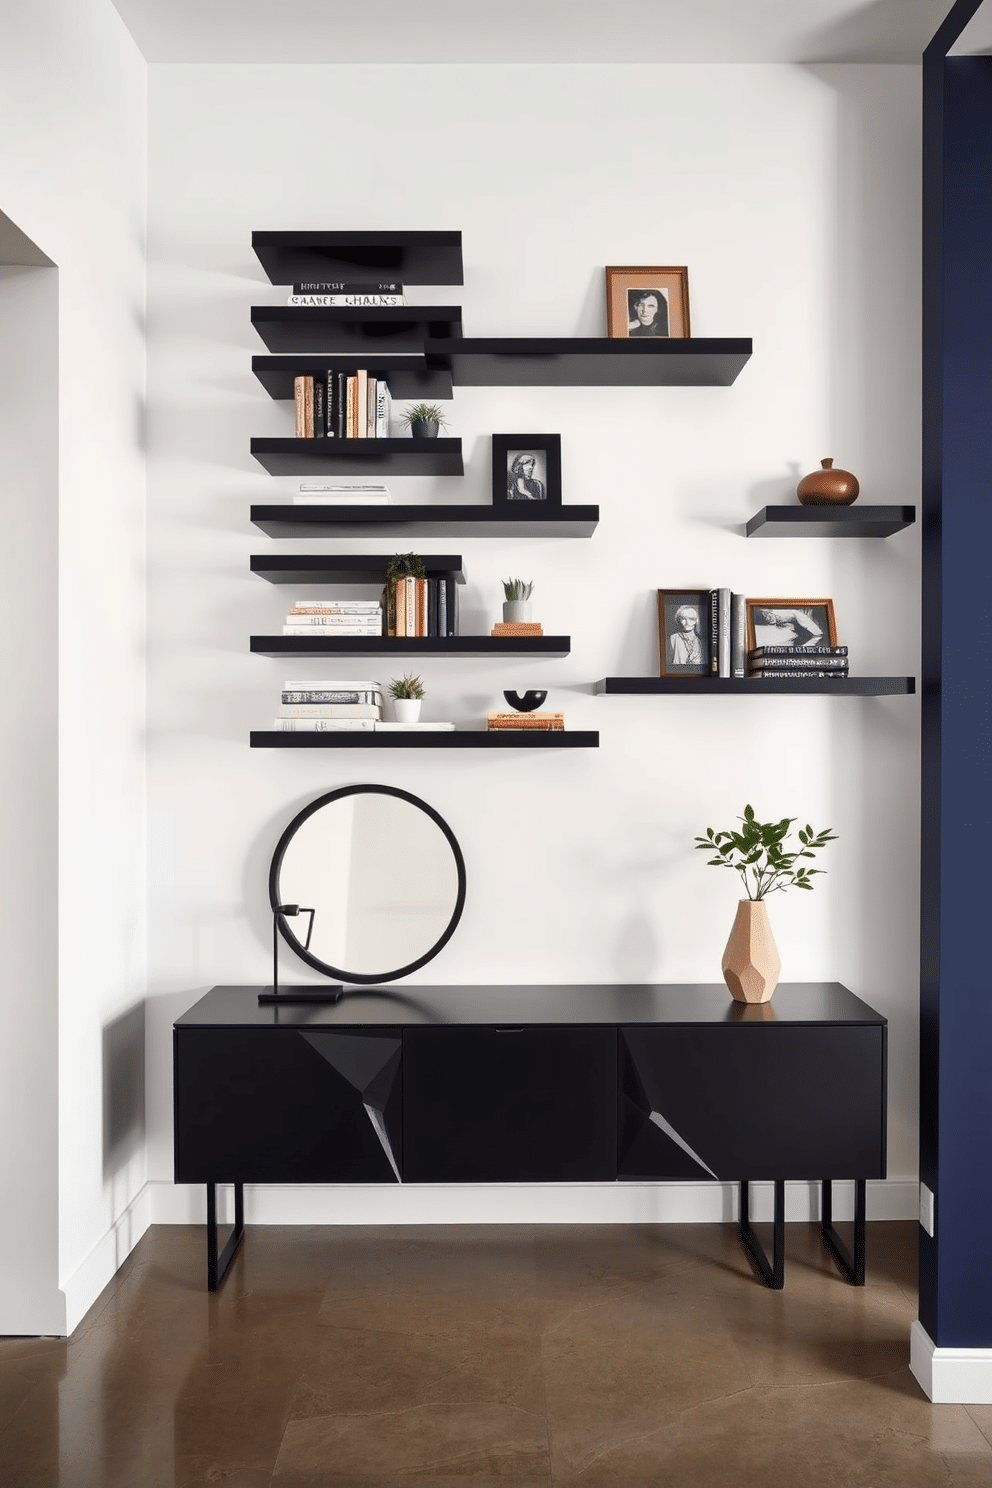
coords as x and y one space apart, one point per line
751 962
828 487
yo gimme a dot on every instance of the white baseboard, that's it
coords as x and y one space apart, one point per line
86 1283
950 1376
534 1203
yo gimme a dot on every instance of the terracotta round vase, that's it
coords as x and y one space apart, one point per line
751 964
828 487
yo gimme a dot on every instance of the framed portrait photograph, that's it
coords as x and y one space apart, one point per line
684 632
799 623
526 469
647 303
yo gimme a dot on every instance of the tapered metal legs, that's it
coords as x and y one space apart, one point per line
774 1273
853 1266
217 1264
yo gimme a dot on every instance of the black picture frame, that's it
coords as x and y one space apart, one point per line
671 604
510 478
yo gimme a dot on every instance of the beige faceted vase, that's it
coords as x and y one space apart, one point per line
751 962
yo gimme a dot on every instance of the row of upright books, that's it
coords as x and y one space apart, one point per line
342 405
421 607
324 707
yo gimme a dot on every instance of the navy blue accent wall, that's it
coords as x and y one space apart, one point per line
956 964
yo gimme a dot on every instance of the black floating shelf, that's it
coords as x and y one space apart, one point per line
358 457
458 739
410 646
738 686
287 520
408 375
411 257
337 568
830 521
360 333
587 361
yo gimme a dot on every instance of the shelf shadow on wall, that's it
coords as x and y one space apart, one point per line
123 1088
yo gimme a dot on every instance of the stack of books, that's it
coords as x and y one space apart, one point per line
355 493
323 707
352 617
352 294
342 405
518 628
422 607
525 721
794 662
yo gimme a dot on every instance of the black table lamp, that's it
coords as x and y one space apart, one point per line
331 993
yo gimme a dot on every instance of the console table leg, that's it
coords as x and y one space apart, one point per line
852 1266
773 1273
218 1263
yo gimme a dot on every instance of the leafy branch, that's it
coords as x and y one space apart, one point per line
758 852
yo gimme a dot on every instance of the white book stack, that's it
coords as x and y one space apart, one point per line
329 707
359 617
327 493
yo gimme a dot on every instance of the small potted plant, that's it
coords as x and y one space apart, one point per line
758 853
424 420
516 605
407 694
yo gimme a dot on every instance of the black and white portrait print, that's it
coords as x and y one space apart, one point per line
526 475
647 312
683 633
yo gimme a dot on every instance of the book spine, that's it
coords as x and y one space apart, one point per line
442 607
308 407
400 602
330 409
319 416
346 607
382 409
314 697
835 675
738 635
335 622
801 663
341 407
791 651
724 639
348 286
422 622
299 406
323 725
330 710
345 301
350 407
370 409
715 632
410 595
326 632
361 403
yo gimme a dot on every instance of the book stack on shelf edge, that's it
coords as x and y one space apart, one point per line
792 662
326 493
422 607
313 617
546 721
518 628
329 707
347 293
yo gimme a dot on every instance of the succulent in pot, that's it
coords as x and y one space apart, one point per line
516 603
407 693
424 420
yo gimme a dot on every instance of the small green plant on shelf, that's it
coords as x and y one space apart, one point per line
758 853
424 419
517 589
408 688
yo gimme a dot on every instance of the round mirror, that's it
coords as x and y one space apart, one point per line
384 876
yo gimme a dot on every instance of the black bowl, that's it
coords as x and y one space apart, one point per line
528 702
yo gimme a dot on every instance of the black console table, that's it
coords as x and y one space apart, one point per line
540 1084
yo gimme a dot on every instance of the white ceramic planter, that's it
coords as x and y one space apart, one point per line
407 710
515 610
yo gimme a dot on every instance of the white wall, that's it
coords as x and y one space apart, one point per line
72 178
792 195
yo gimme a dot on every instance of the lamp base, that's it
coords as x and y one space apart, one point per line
286 995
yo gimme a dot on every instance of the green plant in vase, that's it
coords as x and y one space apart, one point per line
424 420
407 693
761 855
516 603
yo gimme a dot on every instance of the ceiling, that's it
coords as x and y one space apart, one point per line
538 30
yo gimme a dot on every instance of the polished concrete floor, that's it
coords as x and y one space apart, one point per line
604 1356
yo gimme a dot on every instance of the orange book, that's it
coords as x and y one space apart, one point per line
421 606
308 408
298 399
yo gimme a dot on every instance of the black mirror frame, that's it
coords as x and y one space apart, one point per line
275 900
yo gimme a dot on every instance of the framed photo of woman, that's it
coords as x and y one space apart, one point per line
646 304
684 632
526 471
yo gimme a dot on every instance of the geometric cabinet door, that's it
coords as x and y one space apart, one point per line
292 1105
752 1101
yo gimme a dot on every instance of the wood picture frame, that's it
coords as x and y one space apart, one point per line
683 641
809 623
526 471
649 303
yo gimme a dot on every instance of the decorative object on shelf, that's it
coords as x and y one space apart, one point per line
828 487
554 722
528 701
800 624
424 420
758 853
684 648
407 693
516 602
271 994
526 469
400 566
517 628
332 853
647 302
